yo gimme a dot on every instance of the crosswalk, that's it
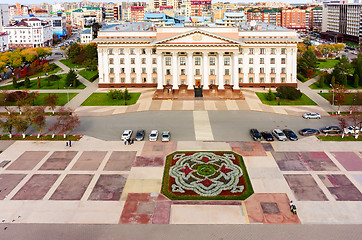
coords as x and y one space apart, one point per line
203 131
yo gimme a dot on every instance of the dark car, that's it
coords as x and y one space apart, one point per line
290 134
140 135
267 136
308 132
331 129
255 134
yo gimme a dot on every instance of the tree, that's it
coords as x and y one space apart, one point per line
355 118
95 28
269 96
51 100
71 77
38 82
21 124
126 96
289 92
308 61
321 81
7 125
65 123
339 95
21 99
356 81
27 82
333 81
357 65
344 65
73 51
15 83
38 119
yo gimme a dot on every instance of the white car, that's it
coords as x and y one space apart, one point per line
279 135
312 115
351 130
126 135
166 136
153 136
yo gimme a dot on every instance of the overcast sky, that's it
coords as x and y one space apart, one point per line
29 2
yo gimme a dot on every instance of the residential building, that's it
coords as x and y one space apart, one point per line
161 19
267 15
29 33
86 36
4 16
183 59
232 19
294 18
84 17
137 13
201 8
185 9
314 18
111 12
218 9
4 42
157 4
19 10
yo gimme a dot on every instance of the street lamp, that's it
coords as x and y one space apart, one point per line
332 92
68 91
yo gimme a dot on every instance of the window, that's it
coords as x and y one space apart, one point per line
154 61
212 61
183 81
261 79
272 79
283 60
284 51
251 50
111 70
183 71
123 79
121 51
227 82
111 61
283 79
251 60
143 60
240 60
144 79
182 61
283 69
110 51
272 61
197 61
154 70
121 61
153 50
143 51
212 71
168 82
212 81
240 79
241 50
197 71
133 61
227 61
251 70
273 50
261 70
262 50
122 70
227 72
154 80
131 51
168 71
133 70
133 80
168 61
251 80
143 70
261 60
272 70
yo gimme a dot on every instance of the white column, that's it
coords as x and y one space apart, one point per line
294 65
205 75
220 74
174 71
149 65
106 65
190 74
159 71
235 74
138 65
100 64
127 66
117 67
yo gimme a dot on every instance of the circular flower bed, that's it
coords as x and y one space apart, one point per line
206 176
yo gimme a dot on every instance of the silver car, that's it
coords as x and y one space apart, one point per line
126 135
153 136
278 134
312 115
166 136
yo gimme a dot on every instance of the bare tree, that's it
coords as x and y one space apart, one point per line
355 117
65 123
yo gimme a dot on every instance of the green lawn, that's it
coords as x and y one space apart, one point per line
69 64
101 99
304 100
62 99
43 84
338 138
349 97
326 86
329 63
87 74
41 138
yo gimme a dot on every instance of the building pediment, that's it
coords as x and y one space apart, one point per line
197 37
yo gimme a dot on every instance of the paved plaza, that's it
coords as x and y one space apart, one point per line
107 182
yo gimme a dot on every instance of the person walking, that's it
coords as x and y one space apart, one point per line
70 143
66 144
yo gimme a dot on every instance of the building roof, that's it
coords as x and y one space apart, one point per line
86 31
127 27
261 26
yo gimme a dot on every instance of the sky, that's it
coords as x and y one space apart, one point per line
29 2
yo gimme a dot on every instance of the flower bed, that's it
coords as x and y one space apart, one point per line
42 137
206 176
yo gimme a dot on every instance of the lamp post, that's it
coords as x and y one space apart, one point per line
68 91
333 95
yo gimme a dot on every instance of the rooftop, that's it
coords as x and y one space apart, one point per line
261 26
127 27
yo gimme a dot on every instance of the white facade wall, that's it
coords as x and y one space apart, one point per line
4 42
4 16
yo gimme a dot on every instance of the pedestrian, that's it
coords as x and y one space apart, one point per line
129 141
132 141
125 142
70 143
66 144
294 209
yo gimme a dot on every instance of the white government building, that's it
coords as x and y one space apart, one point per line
187 58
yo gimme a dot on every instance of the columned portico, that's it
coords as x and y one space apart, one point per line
205 75
220 73
190 74
159 71
235 75
174 70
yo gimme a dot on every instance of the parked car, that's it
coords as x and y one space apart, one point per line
267 136
331 129
126 134
140 135
153 135
279 135
351 130
255 134
290 134
308 132
166 136
312 115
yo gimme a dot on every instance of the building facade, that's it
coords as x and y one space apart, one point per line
86 36
4 16
29 33
186 58
4 42
201 8
18 10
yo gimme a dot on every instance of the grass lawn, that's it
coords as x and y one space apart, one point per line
101 99
349 97
326 86
69 64
339 138
41 138
87 74
43 84
304 100
56 69
62 98
329 63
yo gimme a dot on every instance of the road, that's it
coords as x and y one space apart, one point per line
225 125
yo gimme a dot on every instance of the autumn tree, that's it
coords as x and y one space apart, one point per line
7 122
339 95
65 123
51 100
27 82
355 118
38 119
21 124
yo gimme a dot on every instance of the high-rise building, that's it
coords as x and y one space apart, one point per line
18 10
294 18
201 8
4 16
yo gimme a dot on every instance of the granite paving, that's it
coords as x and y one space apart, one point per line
305 187
72 187
120 161
349 160
341 188
59 160
89 161
27 161
108 187
8 182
